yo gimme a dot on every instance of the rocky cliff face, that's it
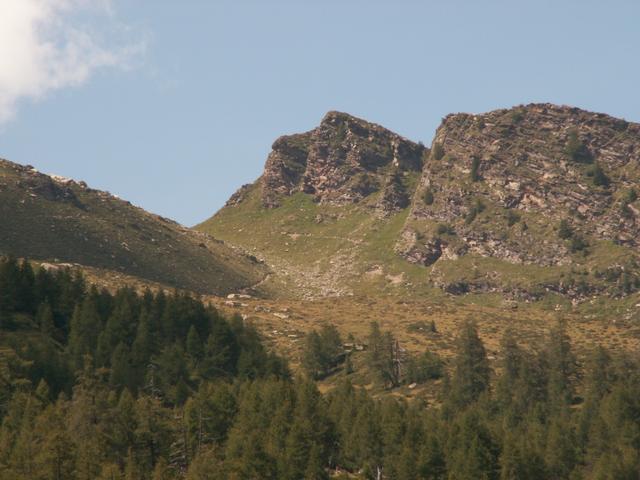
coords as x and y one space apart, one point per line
522 201
343 160
529 185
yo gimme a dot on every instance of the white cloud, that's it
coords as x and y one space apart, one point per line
51 44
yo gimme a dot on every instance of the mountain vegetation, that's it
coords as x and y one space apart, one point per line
102 386
58 220
352 208
369 308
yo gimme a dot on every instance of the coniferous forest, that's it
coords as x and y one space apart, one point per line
95 385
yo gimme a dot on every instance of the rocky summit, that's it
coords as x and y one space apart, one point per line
532 202
344 160
529 201
530 168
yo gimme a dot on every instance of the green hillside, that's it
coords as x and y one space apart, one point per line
58 220
534 203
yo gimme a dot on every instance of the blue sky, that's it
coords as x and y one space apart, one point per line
174 105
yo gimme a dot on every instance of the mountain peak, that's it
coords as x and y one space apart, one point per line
512 201
344 160
542 163
335 116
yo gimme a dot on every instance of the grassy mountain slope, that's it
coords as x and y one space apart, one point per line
328 209
54 219
535 202
317 249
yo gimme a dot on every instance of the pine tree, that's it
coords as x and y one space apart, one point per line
472 452
519 459
313 361
162 471
309 431
172 373
152 434
517 384
132 470
194 344
117 328
205 465
597 383
366 438
9 274
44 319
253 463
25 300
71 288
221 352
168 323
576 150
342 411
406 467
85 328
392 427
88 409
315 467
437 152
381 356
121 372
18 437
142 348
472 371
56 451
561 366
121 429
209 415
474 173
561 452
431 463
297 449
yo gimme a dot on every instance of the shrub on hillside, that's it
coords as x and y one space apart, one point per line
564 230
427 198
576 149
437 152
475 166
598 177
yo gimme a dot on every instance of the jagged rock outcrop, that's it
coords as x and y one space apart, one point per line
343 160
285 167
500 184
51 188
239 195
528 201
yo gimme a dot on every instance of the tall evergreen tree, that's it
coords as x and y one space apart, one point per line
195 349
121 374
143 347
220 352
117 329
44 319
25 300
519 459
472 452
597 383
561 363
85 328
381 356
472 371
56 450
9 281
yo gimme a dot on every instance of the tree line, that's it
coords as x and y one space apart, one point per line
96 385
